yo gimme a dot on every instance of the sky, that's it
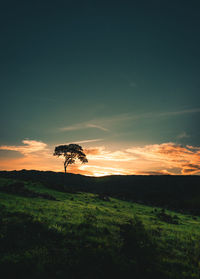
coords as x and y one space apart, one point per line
120 78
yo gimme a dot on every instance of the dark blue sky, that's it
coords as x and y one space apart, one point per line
126 72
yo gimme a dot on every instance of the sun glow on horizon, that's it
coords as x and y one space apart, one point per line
157 159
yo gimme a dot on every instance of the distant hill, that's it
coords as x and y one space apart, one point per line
181 193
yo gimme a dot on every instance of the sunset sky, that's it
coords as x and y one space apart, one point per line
120 78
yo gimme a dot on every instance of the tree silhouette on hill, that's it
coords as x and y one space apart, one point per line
71 152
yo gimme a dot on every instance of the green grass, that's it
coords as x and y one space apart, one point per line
177 245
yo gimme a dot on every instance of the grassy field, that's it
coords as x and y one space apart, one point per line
49 233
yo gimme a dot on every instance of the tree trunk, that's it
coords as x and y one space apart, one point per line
65 166
66 163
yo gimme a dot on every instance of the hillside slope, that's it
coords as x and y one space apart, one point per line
181 193
49 233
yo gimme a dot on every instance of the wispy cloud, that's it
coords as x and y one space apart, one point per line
97 127
106 123
183 135
30 146
157 114
101 123
73 127
83 125
179 112
101 154
86 141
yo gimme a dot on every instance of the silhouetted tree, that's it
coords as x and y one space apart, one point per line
71 152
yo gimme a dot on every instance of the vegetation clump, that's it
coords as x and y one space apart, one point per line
165 217
103 197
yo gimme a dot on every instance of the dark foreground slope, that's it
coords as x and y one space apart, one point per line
45 233
180 193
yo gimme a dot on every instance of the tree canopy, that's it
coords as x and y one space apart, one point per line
71 152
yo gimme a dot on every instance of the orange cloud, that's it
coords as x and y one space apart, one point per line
186 159
93 151
155 159
100 153
30 146
36 155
